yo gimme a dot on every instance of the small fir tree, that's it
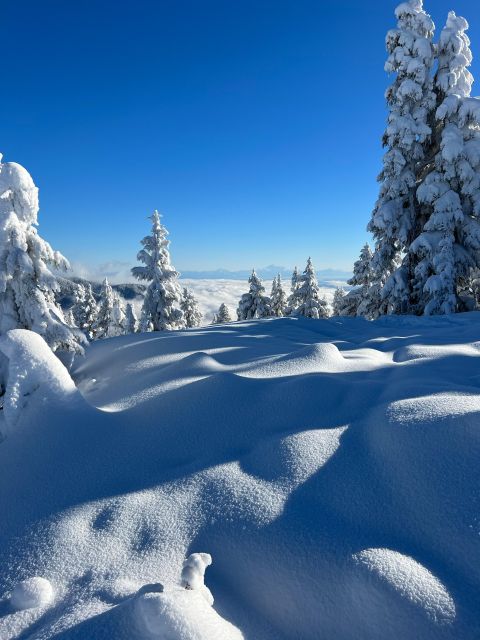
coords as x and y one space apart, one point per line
105 310
190 309
293 300
338 302
254 304
278 298
131 321
118 323
311 305
162 303
85 310
223 315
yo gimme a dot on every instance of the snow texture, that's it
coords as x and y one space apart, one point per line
31 593
330 467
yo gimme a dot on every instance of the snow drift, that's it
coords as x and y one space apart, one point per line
330 468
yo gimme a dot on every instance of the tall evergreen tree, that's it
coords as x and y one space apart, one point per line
254 304
397 218
27 285
162 303
190 309
449 246
278 298
311 305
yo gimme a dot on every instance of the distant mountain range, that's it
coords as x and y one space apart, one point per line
268 273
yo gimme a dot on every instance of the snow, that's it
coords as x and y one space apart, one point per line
410 579
328 467
182 615
33 371
193 573
34 592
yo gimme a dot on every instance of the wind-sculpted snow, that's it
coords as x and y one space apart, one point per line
329 467
411 580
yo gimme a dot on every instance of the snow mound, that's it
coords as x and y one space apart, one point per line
30 593
315 358
418 352
294 458
411 580
193 573
181 614
32 369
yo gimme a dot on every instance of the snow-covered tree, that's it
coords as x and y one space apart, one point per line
105 310
254 304
278 298
397 218
311 304
365 297
85 309
70 318
162 303
293 300
131 321
223 315
338 302
190 309
449 246
27 285
118 322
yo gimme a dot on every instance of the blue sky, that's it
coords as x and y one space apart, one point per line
253 125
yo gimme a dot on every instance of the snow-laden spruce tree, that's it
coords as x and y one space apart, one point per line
27 285
161 308
223 315
254 304
310 303
104 312
131 320
278 298
397 218
338 302
70 318
191 312
293 302
85 309
365 297
118 321
449 246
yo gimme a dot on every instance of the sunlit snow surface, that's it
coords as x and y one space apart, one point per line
330 468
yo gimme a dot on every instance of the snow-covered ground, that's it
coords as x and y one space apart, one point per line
330 468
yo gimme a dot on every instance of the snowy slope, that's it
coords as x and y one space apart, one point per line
330 467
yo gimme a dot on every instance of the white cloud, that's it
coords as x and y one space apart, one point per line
211 293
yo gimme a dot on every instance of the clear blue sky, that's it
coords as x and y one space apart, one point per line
253 125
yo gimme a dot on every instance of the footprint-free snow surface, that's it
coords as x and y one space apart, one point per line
329 467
